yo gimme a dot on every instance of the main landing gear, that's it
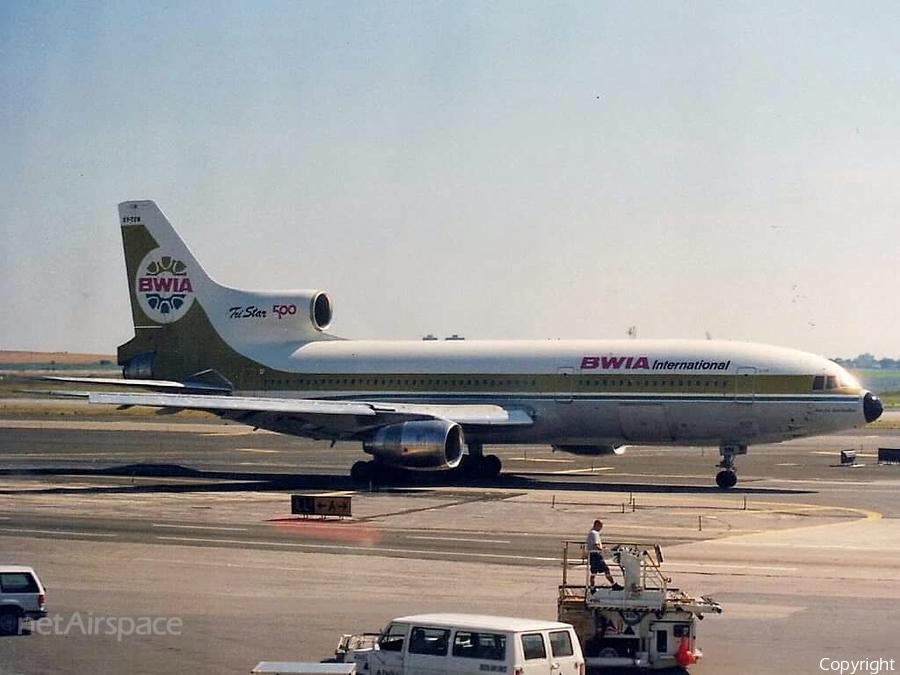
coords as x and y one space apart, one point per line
727 477
474 466
363 472
478 465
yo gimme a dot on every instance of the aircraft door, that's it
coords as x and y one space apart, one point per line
745 384
565 383
252 379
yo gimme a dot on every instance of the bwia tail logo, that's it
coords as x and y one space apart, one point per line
163 287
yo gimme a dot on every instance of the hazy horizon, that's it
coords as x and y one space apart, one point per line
497 170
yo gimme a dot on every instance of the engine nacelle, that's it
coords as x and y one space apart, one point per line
138 367
421 445
592 449
273 317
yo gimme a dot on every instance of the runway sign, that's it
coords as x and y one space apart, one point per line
888 456
313 505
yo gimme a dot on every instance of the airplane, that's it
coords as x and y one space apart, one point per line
266 359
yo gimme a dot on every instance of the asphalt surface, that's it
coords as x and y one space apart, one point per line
161 519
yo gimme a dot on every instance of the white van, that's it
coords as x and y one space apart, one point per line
471 644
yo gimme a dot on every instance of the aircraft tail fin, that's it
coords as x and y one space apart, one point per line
186 324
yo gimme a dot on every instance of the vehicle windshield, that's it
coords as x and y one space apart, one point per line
392 638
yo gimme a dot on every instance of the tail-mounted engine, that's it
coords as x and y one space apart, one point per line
422 445
254 317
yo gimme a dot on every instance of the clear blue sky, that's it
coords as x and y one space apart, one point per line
499 170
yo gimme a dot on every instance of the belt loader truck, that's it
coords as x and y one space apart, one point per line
641 623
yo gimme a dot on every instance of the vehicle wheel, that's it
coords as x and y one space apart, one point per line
608 653
9 623
726 479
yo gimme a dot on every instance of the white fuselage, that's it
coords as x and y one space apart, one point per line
587 392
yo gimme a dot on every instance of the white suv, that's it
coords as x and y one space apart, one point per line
21 595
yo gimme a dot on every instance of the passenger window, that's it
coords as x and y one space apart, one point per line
533 646
391 640
430 641
561 643
484 646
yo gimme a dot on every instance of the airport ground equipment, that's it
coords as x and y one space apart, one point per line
646 624
303 668
466 644
351 642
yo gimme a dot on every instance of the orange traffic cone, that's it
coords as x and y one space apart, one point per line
684 656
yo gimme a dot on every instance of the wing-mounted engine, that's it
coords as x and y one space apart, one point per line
592 450
420 445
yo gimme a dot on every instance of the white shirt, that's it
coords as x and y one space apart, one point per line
593 543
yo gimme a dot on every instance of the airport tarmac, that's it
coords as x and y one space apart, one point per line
161 518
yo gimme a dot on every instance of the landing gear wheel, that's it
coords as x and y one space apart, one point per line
361 472
483 467
490 467
726 479
478 465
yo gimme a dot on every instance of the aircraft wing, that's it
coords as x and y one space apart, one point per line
156 385
321 418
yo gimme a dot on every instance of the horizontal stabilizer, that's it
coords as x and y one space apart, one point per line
156 385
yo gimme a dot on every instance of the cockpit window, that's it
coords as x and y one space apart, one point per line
841 380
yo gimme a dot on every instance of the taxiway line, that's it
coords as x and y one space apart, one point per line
201 527
368 549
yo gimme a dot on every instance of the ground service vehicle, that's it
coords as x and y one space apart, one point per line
21 596
302 668
643 624
469 644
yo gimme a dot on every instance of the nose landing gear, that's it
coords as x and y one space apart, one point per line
727 477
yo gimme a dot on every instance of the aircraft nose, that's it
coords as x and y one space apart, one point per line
872 407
